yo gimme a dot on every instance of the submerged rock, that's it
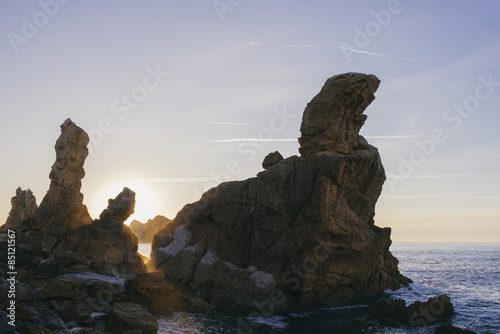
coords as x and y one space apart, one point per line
452 330
129 316
152 292
418 314
299 235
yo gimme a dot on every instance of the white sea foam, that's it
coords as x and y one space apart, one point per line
94 277
272 321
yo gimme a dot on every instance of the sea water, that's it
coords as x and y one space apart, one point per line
469 273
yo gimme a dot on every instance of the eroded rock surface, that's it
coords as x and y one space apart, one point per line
63 205
23 207
301 234
333 118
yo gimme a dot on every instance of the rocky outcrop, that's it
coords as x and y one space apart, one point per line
146 232
157 296
58 247
23 207
63 205
452 330
108 243
129 316
395 313
332 120
299 235
272 159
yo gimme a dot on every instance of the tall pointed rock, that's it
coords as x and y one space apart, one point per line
63 205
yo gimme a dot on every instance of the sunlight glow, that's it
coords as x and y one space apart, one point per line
147 204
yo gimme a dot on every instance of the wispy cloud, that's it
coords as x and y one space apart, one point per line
182 180
396 137
304 46
253 43
442 196
442 176
380 54
213 123
236 140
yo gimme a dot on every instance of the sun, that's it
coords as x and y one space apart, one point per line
147 203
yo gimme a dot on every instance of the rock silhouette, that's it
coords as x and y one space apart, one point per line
63 206
299 235
145 232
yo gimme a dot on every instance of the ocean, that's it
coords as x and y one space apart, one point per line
469 273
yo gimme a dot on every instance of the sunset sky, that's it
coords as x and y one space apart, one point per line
179 96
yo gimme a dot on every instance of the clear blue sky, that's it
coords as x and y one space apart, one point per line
168 90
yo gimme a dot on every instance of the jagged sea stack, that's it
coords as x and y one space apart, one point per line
299 235
63 205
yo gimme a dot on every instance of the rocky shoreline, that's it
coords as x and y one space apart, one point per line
299 235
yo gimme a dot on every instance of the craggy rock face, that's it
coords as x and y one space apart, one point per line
333 118
63 206
61 230
23 207
299 235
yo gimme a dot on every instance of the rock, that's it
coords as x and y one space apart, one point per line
152 292
63 206
421 314
44 317
108 243
29 328
24 207
387 307
272 159
301 231
146 232
333 118
451 330
119 209
129 316
57 288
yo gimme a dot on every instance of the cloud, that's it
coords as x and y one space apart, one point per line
442 176
442 196
396 137
182 180
213 123
236 140
380 54
343 48
253 43
304 46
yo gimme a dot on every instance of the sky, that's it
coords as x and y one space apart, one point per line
179 96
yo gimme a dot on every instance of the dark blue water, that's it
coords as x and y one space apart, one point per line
468 272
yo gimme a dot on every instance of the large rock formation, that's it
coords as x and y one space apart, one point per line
70 268
299 235
63 206
146 231
24 207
